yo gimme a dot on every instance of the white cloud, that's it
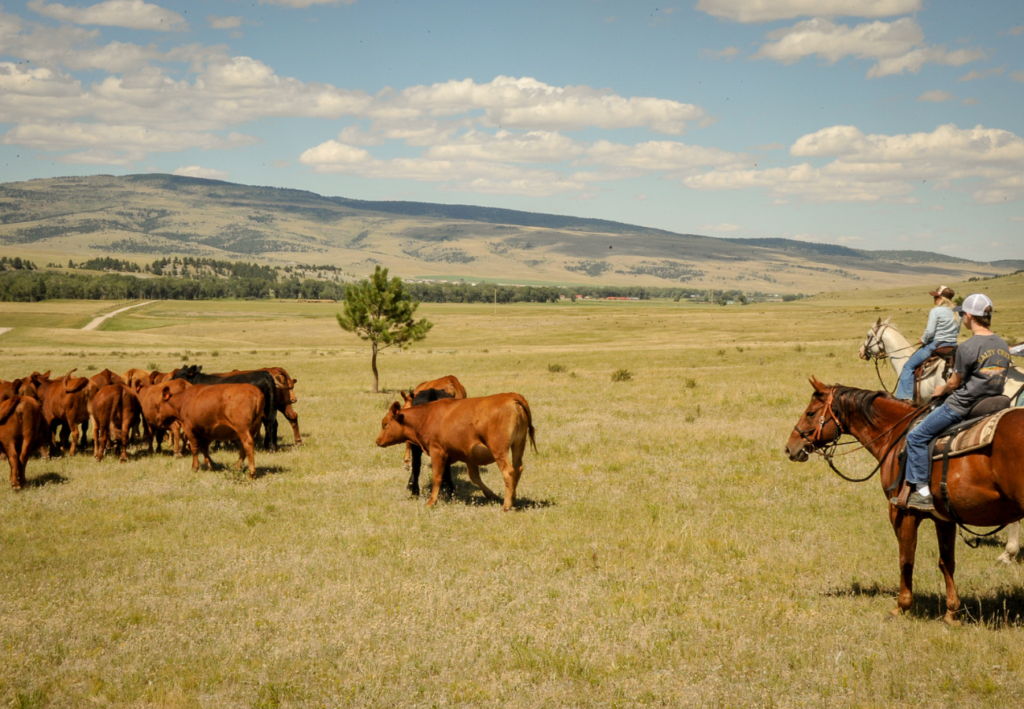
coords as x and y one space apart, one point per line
197 171
976 75
1017 76
727 54
726 227
870 168
133 14
896 46
770 10
970 102
224 23
936 96
305 3
528 104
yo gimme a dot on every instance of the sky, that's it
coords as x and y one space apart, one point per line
874 124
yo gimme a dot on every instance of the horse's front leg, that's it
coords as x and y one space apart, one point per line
946 532
905 525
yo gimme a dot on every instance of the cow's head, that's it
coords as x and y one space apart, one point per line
168 411
392 428
187 373
25 387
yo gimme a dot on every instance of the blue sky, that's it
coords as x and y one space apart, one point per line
878 124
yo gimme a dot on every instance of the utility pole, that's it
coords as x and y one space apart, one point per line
495 300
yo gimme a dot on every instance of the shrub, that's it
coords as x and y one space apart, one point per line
555 368
691 383
621 375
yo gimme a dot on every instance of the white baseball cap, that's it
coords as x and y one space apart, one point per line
977 304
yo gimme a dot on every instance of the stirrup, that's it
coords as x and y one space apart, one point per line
900 501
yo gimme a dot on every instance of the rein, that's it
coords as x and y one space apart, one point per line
828 451
883 353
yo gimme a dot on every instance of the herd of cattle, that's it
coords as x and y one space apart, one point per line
38 413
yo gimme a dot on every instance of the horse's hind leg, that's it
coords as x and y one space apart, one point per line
905 525
1012 544
946 532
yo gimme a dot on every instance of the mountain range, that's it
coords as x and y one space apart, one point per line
143 217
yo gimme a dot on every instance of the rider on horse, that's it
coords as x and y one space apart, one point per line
941 331
979 371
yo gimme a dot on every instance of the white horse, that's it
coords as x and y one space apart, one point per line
884 341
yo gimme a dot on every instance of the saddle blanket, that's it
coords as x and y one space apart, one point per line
970 439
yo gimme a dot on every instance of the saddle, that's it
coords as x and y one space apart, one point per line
941 360
971 434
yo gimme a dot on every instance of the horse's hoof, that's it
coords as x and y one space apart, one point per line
951 620
895 613
1007 558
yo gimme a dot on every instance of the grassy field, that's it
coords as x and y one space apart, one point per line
664 552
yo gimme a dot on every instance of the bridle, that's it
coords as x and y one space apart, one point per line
875 340
828 450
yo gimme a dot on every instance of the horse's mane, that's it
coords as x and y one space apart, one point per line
861 400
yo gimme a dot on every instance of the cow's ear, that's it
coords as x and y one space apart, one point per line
198 368
294 381
166 393
395 406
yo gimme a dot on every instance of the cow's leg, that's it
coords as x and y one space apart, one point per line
126 432
85 433
474 475
148 435
12 459
74 439
905 525
293 419
176 436
1012 544
414 469
509 474
204 446
100 437
447 485
946 532
64 435
407 460
26 451
247 451
95 439
437 460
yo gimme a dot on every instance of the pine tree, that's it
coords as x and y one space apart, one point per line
382 312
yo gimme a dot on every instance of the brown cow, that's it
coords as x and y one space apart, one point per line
115 409
19 387
150 398
65 405
135 375
476 431
22 430
215 412
284 395
449 384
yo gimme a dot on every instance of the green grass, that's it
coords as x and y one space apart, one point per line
665 551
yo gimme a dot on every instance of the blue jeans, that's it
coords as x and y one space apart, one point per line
905 388
919 466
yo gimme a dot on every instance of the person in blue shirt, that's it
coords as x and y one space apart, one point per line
978 372
942 330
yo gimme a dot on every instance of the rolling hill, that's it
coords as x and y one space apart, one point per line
143 217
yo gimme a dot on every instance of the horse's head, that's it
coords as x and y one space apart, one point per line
817 426
873 347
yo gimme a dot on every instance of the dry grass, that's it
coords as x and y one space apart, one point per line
665 552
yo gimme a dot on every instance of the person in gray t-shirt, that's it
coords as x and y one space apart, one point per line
979 371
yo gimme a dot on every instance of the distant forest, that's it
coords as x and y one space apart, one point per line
205 279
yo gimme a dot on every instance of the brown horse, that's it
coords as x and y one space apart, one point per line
985 487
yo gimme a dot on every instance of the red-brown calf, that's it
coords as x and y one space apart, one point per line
476 431
115 408
65 405
22 431
215 412
284 395
150 399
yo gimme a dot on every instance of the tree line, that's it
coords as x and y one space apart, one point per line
260 282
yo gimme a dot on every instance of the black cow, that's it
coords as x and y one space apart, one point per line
261 380
447 485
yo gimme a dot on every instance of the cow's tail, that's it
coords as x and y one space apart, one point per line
8 406
521 400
